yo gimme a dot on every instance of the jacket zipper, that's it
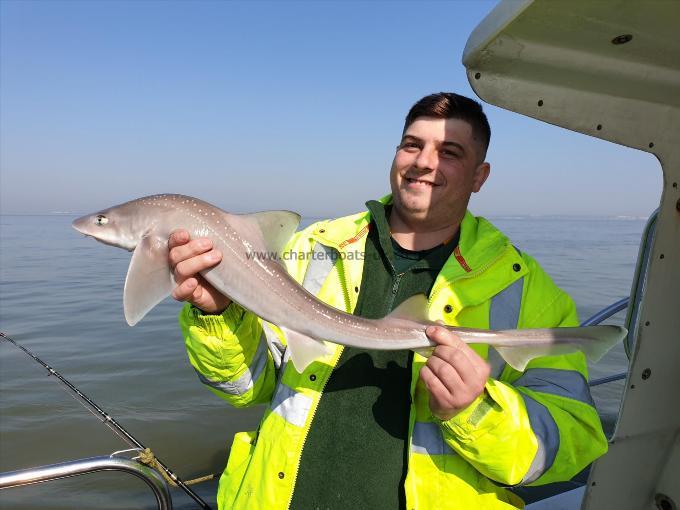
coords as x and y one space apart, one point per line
395 289
345 287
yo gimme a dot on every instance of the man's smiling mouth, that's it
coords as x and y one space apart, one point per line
419 181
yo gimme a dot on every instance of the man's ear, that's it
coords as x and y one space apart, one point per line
481 175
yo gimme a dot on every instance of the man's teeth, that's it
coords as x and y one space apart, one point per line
420 182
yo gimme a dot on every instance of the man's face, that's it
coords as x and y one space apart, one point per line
435 170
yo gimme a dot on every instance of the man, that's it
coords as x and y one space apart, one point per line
375 429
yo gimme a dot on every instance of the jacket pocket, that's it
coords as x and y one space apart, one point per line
239 456
232 478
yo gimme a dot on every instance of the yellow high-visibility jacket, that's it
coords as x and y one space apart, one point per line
532 427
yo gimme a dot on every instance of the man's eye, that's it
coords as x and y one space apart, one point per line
409 145
449 154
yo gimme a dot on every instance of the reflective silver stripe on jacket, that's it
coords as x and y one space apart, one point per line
244 383
548 436
504 314
276 347
318 269
428 439
287 403
291 405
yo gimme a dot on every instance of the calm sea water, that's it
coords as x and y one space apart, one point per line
61 297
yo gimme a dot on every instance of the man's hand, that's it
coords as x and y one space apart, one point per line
454 375
187 258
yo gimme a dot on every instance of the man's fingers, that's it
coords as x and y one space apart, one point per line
443 336
433 383
461 360
185 290
456 352
188 250
194 265
177 238
449 375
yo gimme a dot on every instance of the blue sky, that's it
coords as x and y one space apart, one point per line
264 105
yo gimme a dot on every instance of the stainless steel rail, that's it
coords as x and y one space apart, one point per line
51 472
640 282
607 379
607 312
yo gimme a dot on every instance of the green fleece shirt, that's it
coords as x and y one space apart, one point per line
356 451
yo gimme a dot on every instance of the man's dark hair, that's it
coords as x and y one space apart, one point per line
447 105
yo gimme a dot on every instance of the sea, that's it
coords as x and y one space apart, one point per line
61 297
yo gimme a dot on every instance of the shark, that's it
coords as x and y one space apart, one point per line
263 286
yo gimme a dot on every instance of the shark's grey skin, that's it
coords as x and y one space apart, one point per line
262 285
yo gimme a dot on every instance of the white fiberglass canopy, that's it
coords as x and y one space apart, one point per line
610 69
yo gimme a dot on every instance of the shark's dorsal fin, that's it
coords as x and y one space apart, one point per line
149 279
414 308
277 227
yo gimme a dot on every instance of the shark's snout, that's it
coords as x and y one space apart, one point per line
81 224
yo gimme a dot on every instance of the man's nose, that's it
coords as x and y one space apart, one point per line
427 159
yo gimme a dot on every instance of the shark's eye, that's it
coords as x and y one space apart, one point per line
101 219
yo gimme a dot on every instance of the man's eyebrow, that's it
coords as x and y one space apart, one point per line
411 138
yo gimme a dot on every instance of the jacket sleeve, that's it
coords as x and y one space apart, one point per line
237 354
538 426
230 354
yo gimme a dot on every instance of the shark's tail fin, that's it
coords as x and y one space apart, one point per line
594 341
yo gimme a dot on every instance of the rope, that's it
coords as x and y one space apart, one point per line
147 457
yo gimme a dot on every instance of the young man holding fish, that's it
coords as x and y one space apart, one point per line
392 429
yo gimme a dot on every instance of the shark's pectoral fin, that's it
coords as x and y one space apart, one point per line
303 349
148 280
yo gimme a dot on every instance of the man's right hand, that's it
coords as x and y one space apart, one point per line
188 257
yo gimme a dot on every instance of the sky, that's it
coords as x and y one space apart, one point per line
265 105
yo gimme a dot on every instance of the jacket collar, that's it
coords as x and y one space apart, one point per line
481 247
343 233
480 242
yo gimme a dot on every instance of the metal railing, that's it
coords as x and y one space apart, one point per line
596 319
639 281
51 472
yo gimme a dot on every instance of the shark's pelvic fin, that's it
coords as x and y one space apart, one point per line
303 349
148 280
414 308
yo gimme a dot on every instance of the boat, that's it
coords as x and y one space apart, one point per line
609 69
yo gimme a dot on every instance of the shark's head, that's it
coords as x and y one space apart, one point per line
119 226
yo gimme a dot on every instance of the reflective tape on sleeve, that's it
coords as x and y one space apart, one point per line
276 347
548 436
564 383
428 439
244 383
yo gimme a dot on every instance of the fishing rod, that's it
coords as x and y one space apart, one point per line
116 427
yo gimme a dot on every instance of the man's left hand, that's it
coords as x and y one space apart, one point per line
454 375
